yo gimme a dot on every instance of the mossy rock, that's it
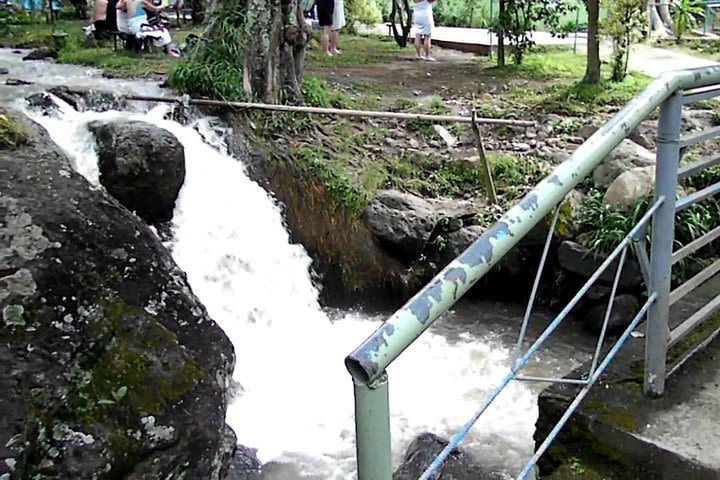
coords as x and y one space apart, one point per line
113 359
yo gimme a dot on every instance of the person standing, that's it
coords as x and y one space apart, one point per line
325 11
337 24
424 23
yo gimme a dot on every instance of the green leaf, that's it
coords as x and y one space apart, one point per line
120 393
105 401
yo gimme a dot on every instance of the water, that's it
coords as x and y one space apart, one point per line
295 401
44 75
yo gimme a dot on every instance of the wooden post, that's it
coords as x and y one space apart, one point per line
487 171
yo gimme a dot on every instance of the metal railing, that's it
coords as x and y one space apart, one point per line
367 364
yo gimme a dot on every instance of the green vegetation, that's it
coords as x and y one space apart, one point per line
12 134
356 50
563 97
624 24
685 14
216 72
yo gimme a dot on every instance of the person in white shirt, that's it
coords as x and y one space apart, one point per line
337 23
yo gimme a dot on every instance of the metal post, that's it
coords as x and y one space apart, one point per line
372 430
663 229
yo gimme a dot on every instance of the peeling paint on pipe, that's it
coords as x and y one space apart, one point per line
369 361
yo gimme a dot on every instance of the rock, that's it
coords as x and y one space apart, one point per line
460 465
577 259
84 100
645 134
414 143
141 165
630 187
449 139
4 71
404 223
15 82
244 465
558 157
624 309
627 155
43 103
587 131
41 53
697 120
457 241
553 119
109 362
566 227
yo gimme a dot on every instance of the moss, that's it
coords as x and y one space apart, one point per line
697 336
12 134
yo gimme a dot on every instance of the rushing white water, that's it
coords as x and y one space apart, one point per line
296 402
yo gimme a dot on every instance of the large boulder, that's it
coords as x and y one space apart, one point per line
577 259
624 157
629 187
141 165
109 365
404 223
460 465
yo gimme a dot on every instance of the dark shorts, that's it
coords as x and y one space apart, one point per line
325 10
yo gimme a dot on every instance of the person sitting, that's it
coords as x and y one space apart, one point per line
105 18
133 20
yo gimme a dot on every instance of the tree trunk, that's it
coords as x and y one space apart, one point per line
198 11
270 37
501 34
592 71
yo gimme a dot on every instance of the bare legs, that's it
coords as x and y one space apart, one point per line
334 37
422 47
325 40
428 45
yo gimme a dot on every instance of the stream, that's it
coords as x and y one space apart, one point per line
294 400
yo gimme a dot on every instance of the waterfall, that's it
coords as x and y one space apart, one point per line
294 401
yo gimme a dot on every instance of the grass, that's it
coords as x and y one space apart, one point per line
115 63
356 50
545 63
12 135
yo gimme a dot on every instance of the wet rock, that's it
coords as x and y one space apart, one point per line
16 82
577 259
460 465
626 156
244 465
624 309
109 362
630 187
4 71
141 165
95 100
41 53
43 103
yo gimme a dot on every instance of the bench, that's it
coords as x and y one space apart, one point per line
147 41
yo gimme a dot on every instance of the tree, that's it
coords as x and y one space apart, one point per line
401 13
250 50
518 19
625 21
198 11
685 14
592 70
501 35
